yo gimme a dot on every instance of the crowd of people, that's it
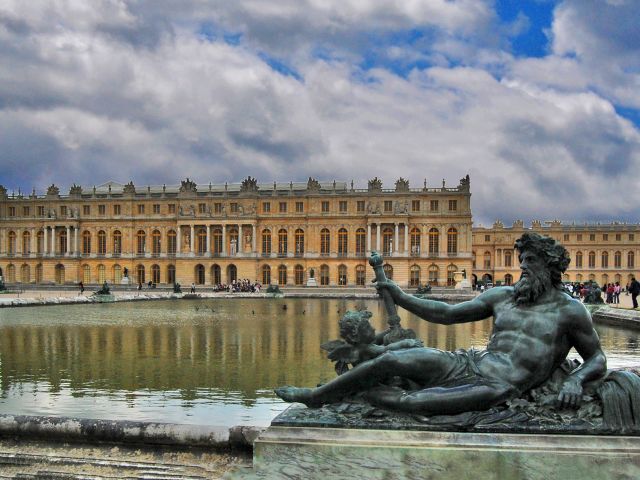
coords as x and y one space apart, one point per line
244 285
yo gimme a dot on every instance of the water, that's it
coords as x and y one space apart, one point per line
209 362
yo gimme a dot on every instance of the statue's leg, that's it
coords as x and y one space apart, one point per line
442 400
424 365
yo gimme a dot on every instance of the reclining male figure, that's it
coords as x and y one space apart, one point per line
535 325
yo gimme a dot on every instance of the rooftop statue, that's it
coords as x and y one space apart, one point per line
535 326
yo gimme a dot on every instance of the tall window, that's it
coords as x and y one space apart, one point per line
140 273
155 245
415 241
433 274
11 243
11 274
604 260
141 239
232 273
155 274
201 241
26 243
25 273
360 275
324 275
631 260
579 260
434 242
199 274
217 241
63 240
266 242
233 241
388 271
171 274
414 276
452 241
117 274
282 274
40 241
487 260
102 274
508 255
282 243
117 242
617 260
592 259
387 241
342 275
171 242
451 269
342 243
86 242
266 275
216 274
102 243
299 240
325 241
361 241
298 274
86 274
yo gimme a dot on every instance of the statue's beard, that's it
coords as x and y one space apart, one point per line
531 287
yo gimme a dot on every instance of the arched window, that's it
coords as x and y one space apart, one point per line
282 275
172 242
342 275
199 274
452 241
216 274
324 275
39 273
604 259
217 241
299 239
361 242
86 274
171 274
141 239
605 280
451 269
617 260
592 259
63 240
361 274
266 242
631 259
11 243
232 274
102 243
156 245
508 255
388 271
117 274
201 242
387 241
233 241
415 241
487 260
434 242
86 242
59 274
102 275
325 241
508 279
414 276
155 274
298 273
25 273
40 241
343 243
579 277
117 243
140 273
11 273
26 243
579 260
434 271
282 243
266 275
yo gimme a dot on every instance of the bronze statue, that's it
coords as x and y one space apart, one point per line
535 325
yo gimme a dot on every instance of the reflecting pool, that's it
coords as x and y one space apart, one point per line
212 361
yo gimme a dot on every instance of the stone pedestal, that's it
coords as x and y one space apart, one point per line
311 282
461 282
124 281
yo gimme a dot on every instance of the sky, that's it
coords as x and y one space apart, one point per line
538 101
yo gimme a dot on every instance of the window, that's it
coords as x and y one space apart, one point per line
592 259
360 205
63 211
25 211
618 237
155 274
202 208
266 207
282 242
360 275
172 208
26 243
282 275
40 210
171 274
361 241
86 242
342 242
217 241
388 271
282 207
451 270
579 237
233 207
156 244
631 260
452 241
141 238
487 260
298 274
325 207
12 211
387 241
487 238
508 258
217 208
325 242
433 205
579 260
342 275
140 273
102 242
156 210
171 243
631 237
86 209
453 205
415 205
566 237
434 271
434 242
116 209
266 275
299 207
324 275
102 209
604 260
605 237
617 259
216 274
141 209
342 206
199 274
414 276
415 241
117 242
592 237
299 240
388 206
266 242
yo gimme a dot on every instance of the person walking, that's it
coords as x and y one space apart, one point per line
81 288
634 290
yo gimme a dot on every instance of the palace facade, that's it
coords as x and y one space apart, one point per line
280 233
601 252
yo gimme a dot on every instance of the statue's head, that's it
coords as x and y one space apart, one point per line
356 329
543 261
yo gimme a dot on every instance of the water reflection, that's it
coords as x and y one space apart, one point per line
211 361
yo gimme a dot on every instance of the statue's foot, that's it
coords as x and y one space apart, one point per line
295 394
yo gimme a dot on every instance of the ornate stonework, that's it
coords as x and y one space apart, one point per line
402 185
313 185
188 186
129 188
375 185
53 191
249 184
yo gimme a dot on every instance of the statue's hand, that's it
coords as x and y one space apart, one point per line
389 286
571 394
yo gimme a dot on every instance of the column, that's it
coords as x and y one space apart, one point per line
378 232
208 238
254 241
68 240
33 245
191 250
46 241
224 240
368 238
396 239
75 243
53 241
178 240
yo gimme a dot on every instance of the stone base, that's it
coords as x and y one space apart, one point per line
464 284
311 282
124 281
334 453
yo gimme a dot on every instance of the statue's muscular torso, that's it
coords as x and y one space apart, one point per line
529 342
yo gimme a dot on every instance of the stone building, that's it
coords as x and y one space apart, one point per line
280 233
601 252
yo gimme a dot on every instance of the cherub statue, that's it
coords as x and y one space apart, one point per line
360 342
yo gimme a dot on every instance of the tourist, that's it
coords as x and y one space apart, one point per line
81 288
616 293
609 289
193 287
634 290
